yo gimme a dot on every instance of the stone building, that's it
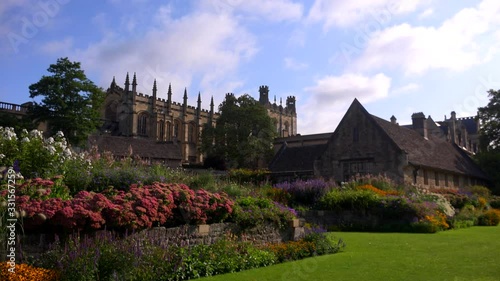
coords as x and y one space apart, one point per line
427 153
128 113
285 118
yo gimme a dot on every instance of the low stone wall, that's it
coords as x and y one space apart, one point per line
186 235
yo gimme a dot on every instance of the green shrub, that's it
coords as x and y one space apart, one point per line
349 200
242 176
480 190
249 212
495 202
489 218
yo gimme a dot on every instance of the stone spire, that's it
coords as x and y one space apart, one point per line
113 83
169 97
198 108
184 105
134 85
154 95
127 84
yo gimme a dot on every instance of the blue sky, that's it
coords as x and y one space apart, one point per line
396 57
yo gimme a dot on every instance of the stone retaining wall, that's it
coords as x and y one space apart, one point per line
186 235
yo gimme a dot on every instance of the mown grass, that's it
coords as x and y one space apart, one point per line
455 255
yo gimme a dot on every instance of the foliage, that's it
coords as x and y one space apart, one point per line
70 101
466 217
36 156
307 192
489 161
349 200
246 176
380 181
431 223
495 202
479 190
376 190
490 127
489 218
251 211
26 272
105 256
243 134
138 208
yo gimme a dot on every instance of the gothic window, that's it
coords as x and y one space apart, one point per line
177 130
169 131
161 127
286 130
142 121
192 133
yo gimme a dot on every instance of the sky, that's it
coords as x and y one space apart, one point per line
396 57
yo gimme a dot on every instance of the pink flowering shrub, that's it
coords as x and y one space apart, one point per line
140 207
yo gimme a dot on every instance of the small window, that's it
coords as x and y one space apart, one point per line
446 180
436 178
455 180
426 177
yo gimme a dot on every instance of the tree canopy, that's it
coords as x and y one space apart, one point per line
489 117
70 101
243 135
489 156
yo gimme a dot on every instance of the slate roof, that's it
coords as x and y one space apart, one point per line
434 152
297 158
144 148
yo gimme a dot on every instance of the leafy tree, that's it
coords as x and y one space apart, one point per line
71 102
489 117
243 135
489 156
9 120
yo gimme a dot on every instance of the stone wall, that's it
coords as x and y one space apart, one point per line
186 235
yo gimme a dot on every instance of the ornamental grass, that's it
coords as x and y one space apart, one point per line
24 272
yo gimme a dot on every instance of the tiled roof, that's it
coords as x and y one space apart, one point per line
145 148
298 158
434 152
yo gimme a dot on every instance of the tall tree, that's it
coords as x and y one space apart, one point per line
71 102
489 117
243 134
489 156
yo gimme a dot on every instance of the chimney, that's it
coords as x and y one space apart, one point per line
419 123
394 120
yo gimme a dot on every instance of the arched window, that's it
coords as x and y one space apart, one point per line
177 130
161 129
142 122
192 133
286 130
169 131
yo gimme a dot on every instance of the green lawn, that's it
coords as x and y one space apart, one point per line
455 255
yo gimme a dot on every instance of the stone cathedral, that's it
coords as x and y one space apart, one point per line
127 113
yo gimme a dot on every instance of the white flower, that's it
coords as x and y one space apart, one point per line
25 139
60 134
67 152
24 132
50 140
51 149
2 156
36 134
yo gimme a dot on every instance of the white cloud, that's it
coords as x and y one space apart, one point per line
408 88
331 95
58 47
276 10
202 46
425 14
347 13
455 45
291 63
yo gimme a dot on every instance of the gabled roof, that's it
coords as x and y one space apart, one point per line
144 148
297 158
434 152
